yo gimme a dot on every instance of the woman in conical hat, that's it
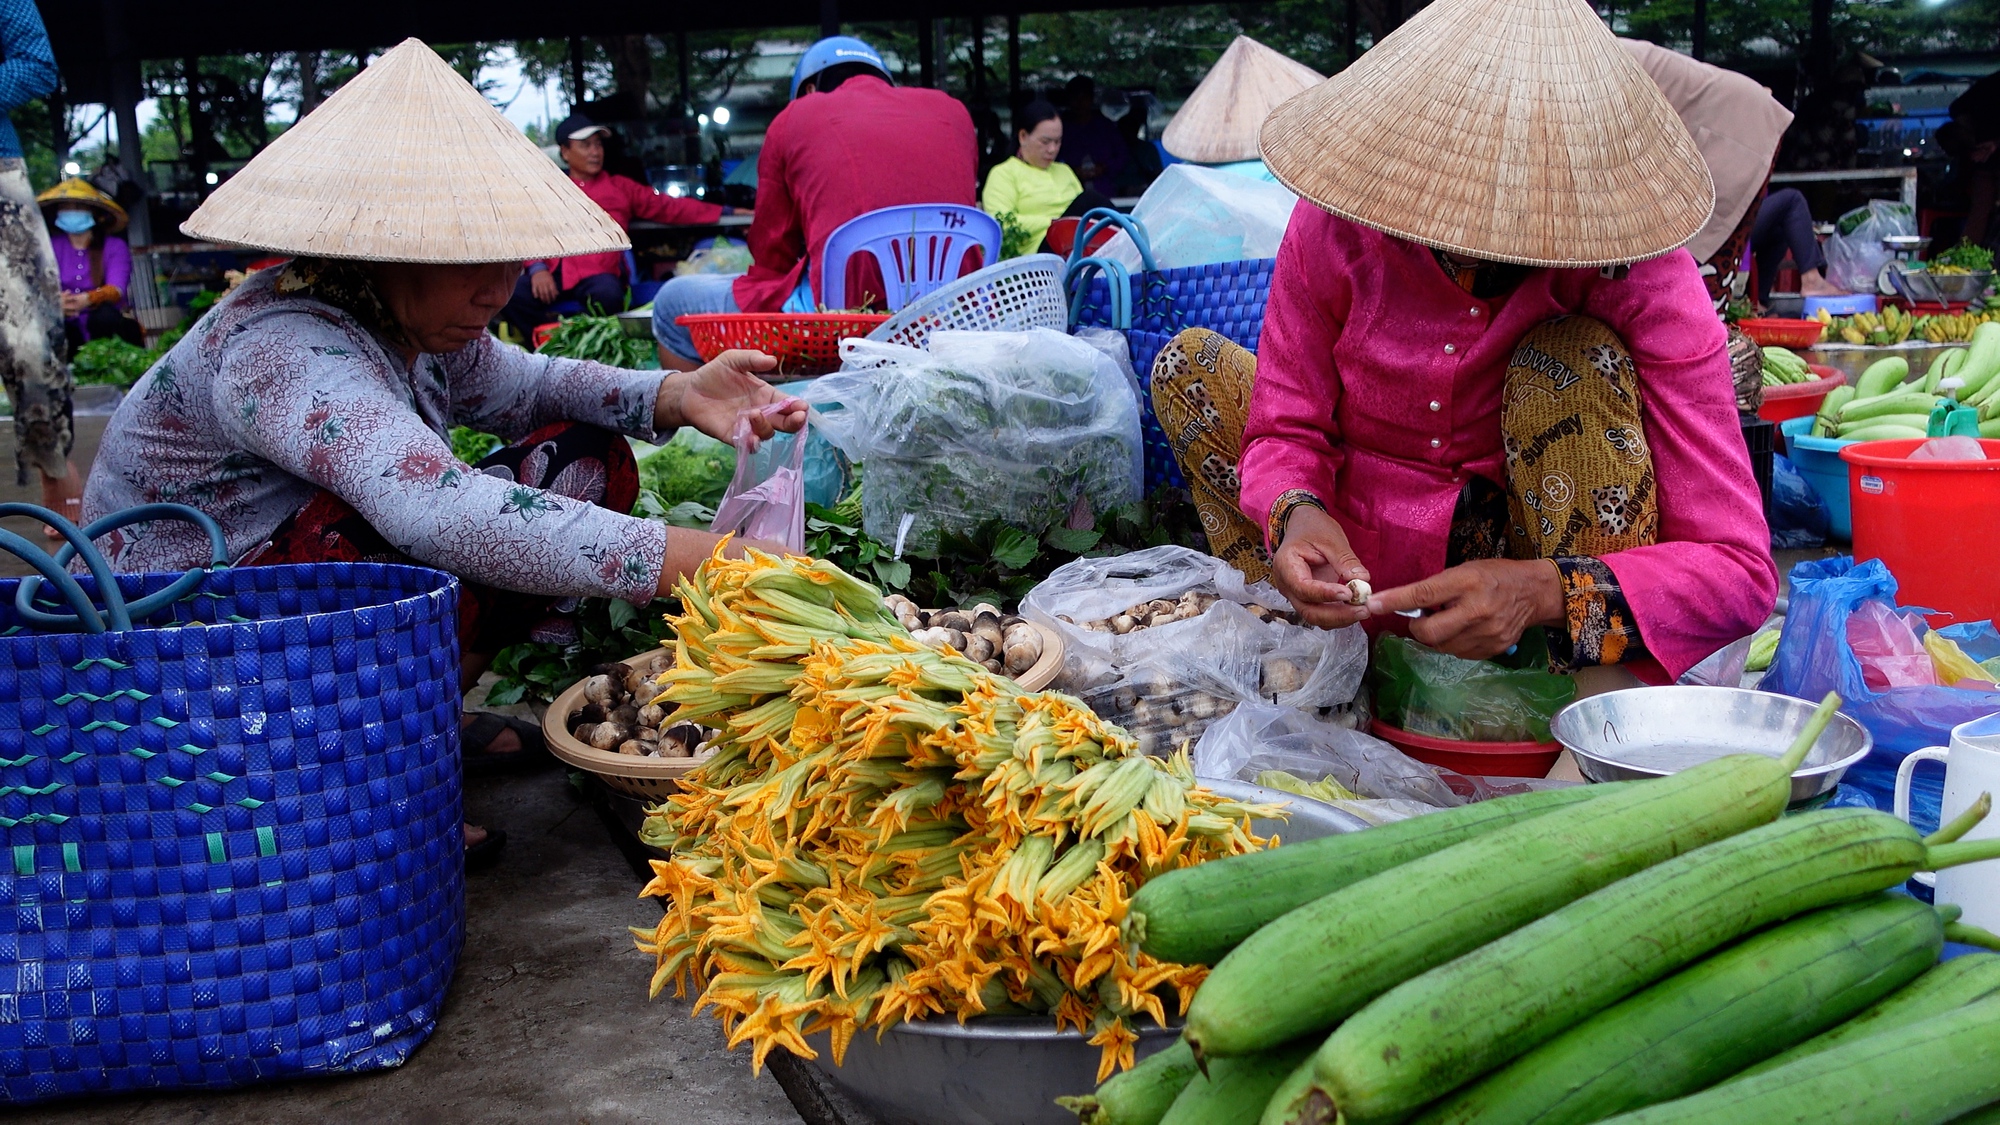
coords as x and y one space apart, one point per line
309 410
1219 122
1490 392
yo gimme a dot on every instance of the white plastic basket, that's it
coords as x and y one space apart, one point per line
1011 296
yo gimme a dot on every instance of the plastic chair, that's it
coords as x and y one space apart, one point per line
913 250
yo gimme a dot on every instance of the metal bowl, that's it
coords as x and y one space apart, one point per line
1010 1070
637 323
1655 731
1961 287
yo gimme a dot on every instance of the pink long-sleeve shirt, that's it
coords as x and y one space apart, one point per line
1378 389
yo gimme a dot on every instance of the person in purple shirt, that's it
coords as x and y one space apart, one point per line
1092 144
93 264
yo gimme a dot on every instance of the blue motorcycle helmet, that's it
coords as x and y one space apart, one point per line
831 52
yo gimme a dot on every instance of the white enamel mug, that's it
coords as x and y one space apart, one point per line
1971 767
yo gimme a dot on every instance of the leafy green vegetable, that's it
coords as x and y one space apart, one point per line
1965 256
1014 237
608 629
111 360
599 338
691 466
470 445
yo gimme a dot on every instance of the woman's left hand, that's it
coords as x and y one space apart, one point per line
714 396
1480 609
73 303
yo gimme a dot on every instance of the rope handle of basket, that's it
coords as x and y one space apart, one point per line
117 614
1076 277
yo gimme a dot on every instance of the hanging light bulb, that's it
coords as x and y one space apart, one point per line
72 169
721 115
212 179
702 120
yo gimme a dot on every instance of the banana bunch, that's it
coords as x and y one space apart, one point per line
1783 367
888 832
1954 328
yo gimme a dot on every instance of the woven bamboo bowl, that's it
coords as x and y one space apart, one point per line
655 779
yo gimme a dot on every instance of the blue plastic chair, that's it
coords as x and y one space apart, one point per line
919 247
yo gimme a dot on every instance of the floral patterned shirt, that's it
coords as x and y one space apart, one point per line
278 393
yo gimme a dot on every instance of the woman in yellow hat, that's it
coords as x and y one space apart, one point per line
1489 381
308 412
93 264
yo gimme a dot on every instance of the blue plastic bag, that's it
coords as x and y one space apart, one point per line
1799 517
1814 658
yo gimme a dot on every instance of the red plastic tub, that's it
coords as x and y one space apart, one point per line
1797 400
1932 523
1782 332
1477 759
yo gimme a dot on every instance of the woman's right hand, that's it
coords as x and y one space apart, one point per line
688 548
1313 566
542 284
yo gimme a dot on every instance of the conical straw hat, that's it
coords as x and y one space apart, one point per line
1219 121
406 163
1508 130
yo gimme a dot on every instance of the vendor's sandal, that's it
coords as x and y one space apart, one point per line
477 736
485 853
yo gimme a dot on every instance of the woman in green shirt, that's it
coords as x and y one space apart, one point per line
1033 185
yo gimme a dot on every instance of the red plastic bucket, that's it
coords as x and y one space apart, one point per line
1476 759
1932 523
1798 400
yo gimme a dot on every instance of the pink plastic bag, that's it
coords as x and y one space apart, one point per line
1890 652
766 498
1954 448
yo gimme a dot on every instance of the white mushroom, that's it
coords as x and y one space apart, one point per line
1163 618
1358 591
652 715
1281 676
952 619
607 736
994 667
1123 624
633 747
601 691
977 648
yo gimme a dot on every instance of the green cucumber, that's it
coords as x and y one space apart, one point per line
1881 377
1140 1096
1194 915
1235 1091
1925 1074
1982 358
1461 1020
1704 1023
1878 429
1953 984
1829 407
1288 1100
1988 1116
1904 402
1314 966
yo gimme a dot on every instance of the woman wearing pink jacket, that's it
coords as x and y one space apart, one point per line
1490 385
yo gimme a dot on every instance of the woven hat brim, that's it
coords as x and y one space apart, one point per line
406 163
1219 122
1508 130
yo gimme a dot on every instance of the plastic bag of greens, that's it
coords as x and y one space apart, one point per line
1260 737
1034 429
1854 253
1509 699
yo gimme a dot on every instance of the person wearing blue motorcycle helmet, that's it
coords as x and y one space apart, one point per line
850 142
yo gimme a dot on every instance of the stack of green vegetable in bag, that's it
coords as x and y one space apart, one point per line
1881 405
1674 950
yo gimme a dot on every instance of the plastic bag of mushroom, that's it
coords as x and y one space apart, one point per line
618 715
1003 642
1167 640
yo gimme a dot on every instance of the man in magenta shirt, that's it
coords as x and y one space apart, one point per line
849 143
597 281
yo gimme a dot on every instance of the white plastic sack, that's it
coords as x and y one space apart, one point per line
1194 215
1854 253
1032 428
1167 683
1259 736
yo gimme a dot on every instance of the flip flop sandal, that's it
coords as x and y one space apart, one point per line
478 761
485 853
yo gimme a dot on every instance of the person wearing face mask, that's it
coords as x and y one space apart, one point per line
94 264
309 411
1490 383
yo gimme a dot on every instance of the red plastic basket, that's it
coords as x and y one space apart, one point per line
1797 400
1775 332
805 344
1474 759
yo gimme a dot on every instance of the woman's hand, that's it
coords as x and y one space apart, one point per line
688 548
542 284
1481 608
63 496
712 398
1314 565
74 303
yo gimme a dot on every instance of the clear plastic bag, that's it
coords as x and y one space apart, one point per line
719 255
1032 428
1854 253
1259 736
1193 216
1890 651
1510 699
766 498
1167 683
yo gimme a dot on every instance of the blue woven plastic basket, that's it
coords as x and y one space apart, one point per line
1224 297
231 848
